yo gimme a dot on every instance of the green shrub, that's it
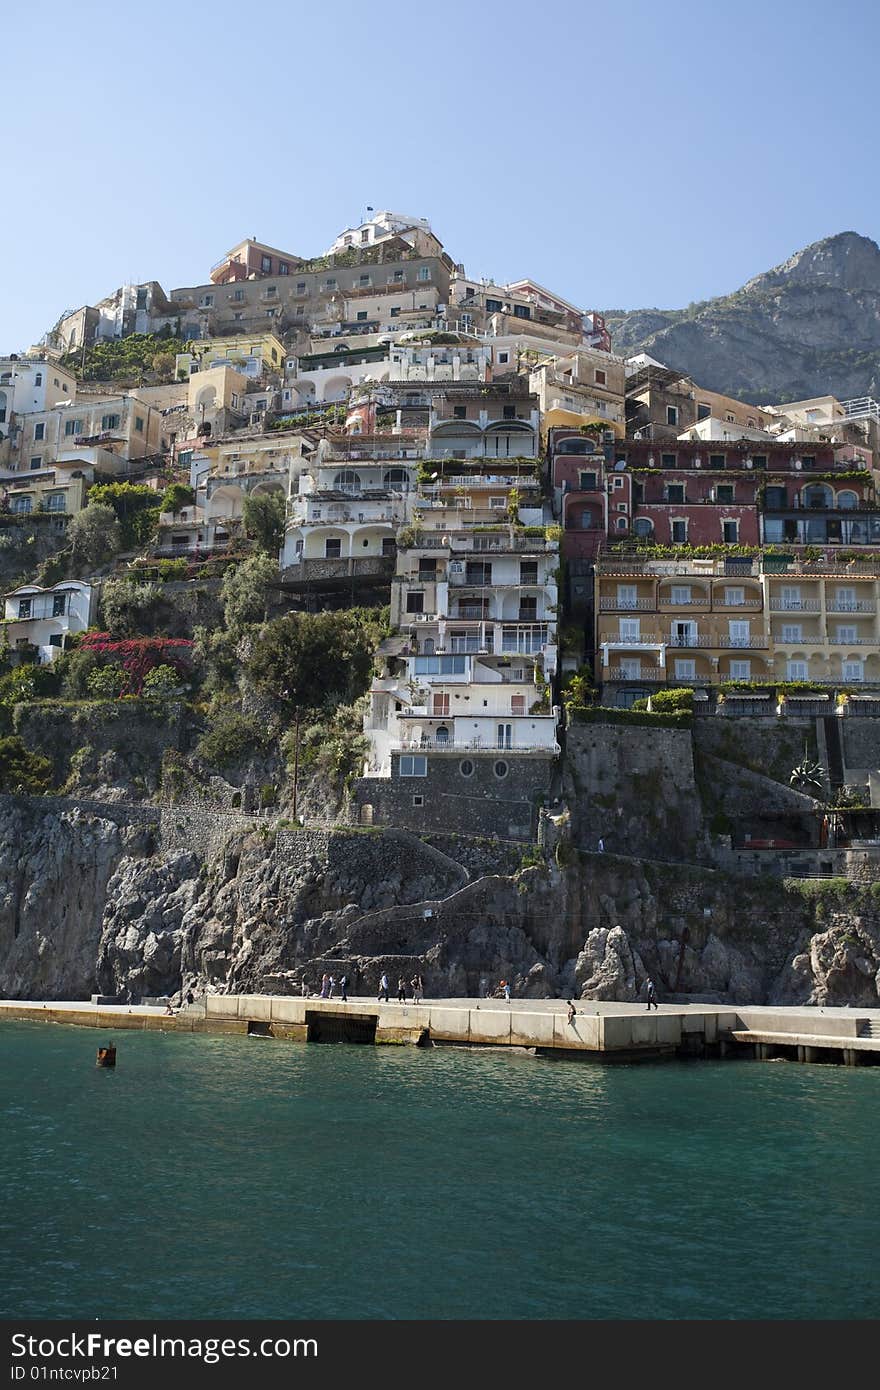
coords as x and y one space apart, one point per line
22 770
106 682
231 738
162 682
603 714
670 701
74 668
29 683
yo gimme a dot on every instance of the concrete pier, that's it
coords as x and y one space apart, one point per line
611 1031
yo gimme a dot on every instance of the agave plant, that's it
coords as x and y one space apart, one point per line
808 776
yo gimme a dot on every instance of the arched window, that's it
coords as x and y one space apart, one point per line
818 495
643 527
395 477
38 379
347 477
848 500
442 734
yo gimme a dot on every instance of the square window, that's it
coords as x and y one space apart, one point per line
600 378
703 410
139 423
39 432
460 412
669 460
503 357
413 766
362 315
679 532
741 670
59 605
730 532
685 670
418 801
672 415
395 311
24 608
415 602
424 272
300 286
283 268
266 264
510 412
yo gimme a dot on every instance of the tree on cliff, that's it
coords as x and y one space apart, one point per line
95 534
245 591
308 660
264 516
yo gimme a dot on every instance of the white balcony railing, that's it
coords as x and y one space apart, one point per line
792 605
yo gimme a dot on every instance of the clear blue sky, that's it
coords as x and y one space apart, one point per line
625 155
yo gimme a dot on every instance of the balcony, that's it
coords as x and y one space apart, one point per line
474 745
858 605
697 601
719 602
626 605
641 639
799 605
655 675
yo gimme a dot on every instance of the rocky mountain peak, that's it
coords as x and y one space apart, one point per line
846 260
807 327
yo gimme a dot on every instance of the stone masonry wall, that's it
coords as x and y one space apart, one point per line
861 744
480 804
635 788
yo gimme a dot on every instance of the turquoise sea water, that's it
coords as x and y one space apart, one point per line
241 1177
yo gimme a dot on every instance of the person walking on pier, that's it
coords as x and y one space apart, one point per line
343 985
652 997
506 987
383 988
325 986
401 990
572 1011
417 988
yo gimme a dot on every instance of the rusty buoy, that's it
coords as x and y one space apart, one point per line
106 1056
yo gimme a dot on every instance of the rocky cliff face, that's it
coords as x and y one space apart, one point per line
87 904
807 327
54 873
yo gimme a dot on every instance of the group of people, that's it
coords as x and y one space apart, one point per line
501 990
416 984
329 986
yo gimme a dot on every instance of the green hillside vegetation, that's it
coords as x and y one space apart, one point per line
141 358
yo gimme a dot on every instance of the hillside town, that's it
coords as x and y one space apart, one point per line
550 525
